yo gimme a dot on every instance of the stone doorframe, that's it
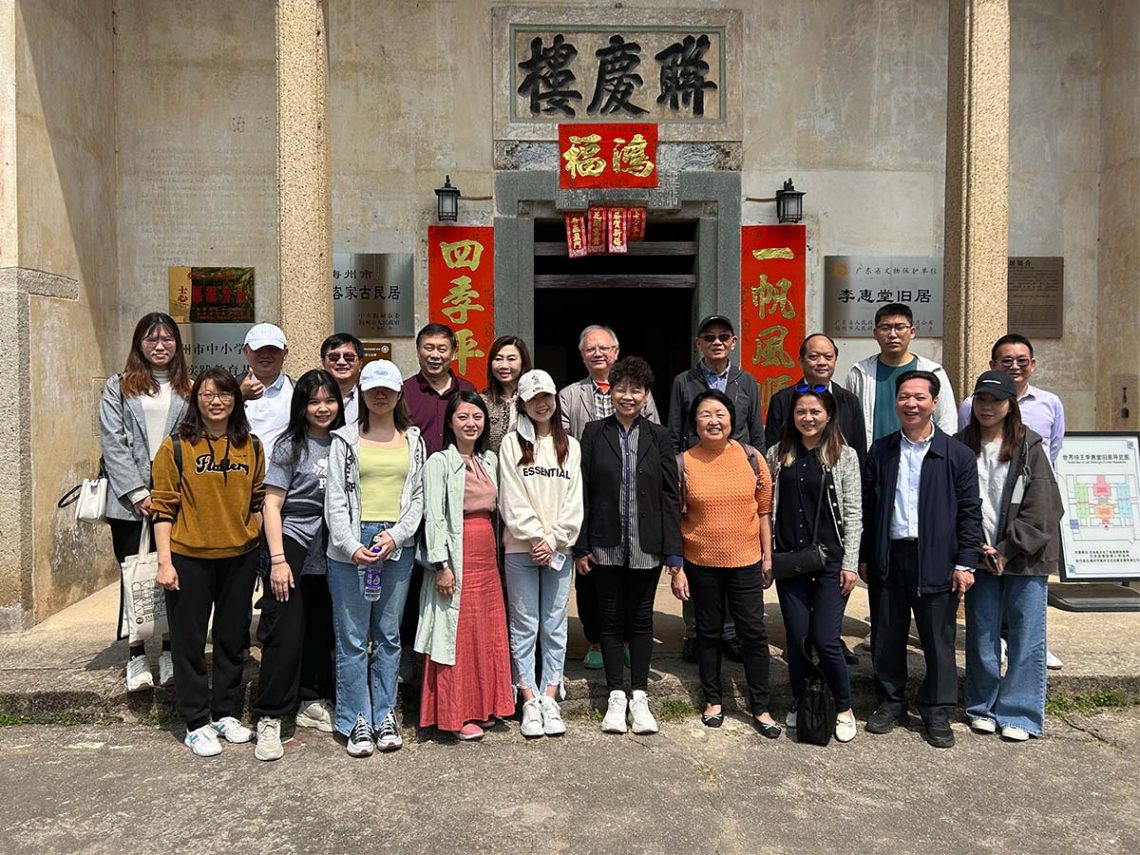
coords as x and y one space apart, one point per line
521 195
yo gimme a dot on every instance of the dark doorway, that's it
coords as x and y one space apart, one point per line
646 297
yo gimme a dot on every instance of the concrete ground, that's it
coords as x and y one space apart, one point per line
134 789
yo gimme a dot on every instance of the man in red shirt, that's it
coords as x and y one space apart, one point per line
428 392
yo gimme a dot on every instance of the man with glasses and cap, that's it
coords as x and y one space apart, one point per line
265 389
715 341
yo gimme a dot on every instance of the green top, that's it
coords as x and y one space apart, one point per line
382 475
886 417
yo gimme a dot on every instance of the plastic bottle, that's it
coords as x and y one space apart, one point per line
370 581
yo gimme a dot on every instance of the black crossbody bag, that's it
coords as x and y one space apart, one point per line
811 559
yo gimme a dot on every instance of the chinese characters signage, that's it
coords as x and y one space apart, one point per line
1099 479
209 345
461 292
604 229
617 73
211 295
772 297
855 287
1036 297
607 155
373 294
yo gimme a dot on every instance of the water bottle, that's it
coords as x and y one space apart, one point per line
395 556
371 580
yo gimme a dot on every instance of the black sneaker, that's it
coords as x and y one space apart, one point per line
882 720
689 650
732 649
939 734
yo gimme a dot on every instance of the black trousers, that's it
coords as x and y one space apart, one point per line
625 601
812 608
125 536
589 608
224 586
743 589
936 616
296 638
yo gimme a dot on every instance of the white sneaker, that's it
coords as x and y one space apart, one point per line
138 674
1004 652
1014 734
165 669
614 722
643 720
203 742
318 714
360 739
983 725
552 723
388 737
1052 662
269 739
233 730
531 726
866 645
790 719
845 729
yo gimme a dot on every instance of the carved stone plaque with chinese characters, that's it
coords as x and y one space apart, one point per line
857 286
1036 297
374 294
677 69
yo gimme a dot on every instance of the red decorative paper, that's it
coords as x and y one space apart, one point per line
618 221
607 155
597 235
576 235
461 292
773 275
637 220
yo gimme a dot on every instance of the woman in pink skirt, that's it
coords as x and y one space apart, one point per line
463 622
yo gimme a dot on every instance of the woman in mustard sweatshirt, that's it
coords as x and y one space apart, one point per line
206 505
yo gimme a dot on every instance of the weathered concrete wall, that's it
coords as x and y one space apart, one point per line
60 298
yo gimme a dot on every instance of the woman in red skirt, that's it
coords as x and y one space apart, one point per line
463 621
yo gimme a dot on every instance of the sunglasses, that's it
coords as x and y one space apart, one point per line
804 387
709 338
346 358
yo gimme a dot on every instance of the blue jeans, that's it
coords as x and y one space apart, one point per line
537 602
363 688
1018 698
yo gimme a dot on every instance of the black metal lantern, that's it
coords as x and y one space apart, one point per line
789 204
447 202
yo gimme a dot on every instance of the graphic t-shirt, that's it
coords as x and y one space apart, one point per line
886 417
302 514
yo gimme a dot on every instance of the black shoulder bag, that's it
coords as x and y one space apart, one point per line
811 559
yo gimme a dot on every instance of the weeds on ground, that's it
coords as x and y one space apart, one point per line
1105 699
8 720
676 709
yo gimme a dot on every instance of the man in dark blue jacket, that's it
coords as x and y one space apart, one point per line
922 535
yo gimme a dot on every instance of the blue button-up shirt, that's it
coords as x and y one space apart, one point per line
904 516
714 381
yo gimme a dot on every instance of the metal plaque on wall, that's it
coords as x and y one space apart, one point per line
856 286
373 294
1035 289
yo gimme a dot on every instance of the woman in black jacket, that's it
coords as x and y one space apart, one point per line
632 526
1021 509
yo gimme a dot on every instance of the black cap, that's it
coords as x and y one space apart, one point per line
996 383
715 319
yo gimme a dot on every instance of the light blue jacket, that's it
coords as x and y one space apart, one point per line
444 482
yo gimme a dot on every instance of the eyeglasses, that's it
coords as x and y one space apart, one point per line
154 341
1010 361
346 358
598 349
888 328
709 338
224 397
804 387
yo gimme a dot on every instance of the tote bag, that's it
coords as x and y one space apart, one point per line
144 600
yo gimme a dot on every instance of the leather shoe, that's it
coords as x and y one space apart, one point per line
712 719
882 720
732 649
848 655
939 734
689 650
768 731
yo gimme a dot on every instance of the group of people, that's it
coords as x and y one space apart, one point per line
384 514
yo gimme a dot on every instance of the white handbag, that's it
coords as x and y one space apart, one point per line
89 498
144 600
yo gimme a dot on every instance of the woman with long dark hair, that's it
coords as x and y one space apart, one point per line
815 476
140 407
463 624
296 626
507 360
208 493
1021 509
373 508
541 505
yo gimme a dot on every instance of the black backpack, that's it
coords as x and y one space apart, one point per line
815 709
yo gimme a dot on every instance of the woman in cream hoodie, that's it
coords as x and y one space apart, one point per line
540 501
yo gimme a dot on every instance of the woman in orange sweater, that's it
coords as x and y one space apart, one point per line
726 496
206 505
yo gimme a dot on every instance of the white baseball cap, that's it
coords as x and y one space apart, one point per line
265 335
381 374
534 383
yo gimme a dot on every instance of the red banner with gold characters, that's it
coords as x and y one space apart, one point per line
461 292
773 286
607 155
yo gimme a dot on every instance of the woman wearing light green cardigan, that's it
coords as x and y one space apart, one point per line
463 622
